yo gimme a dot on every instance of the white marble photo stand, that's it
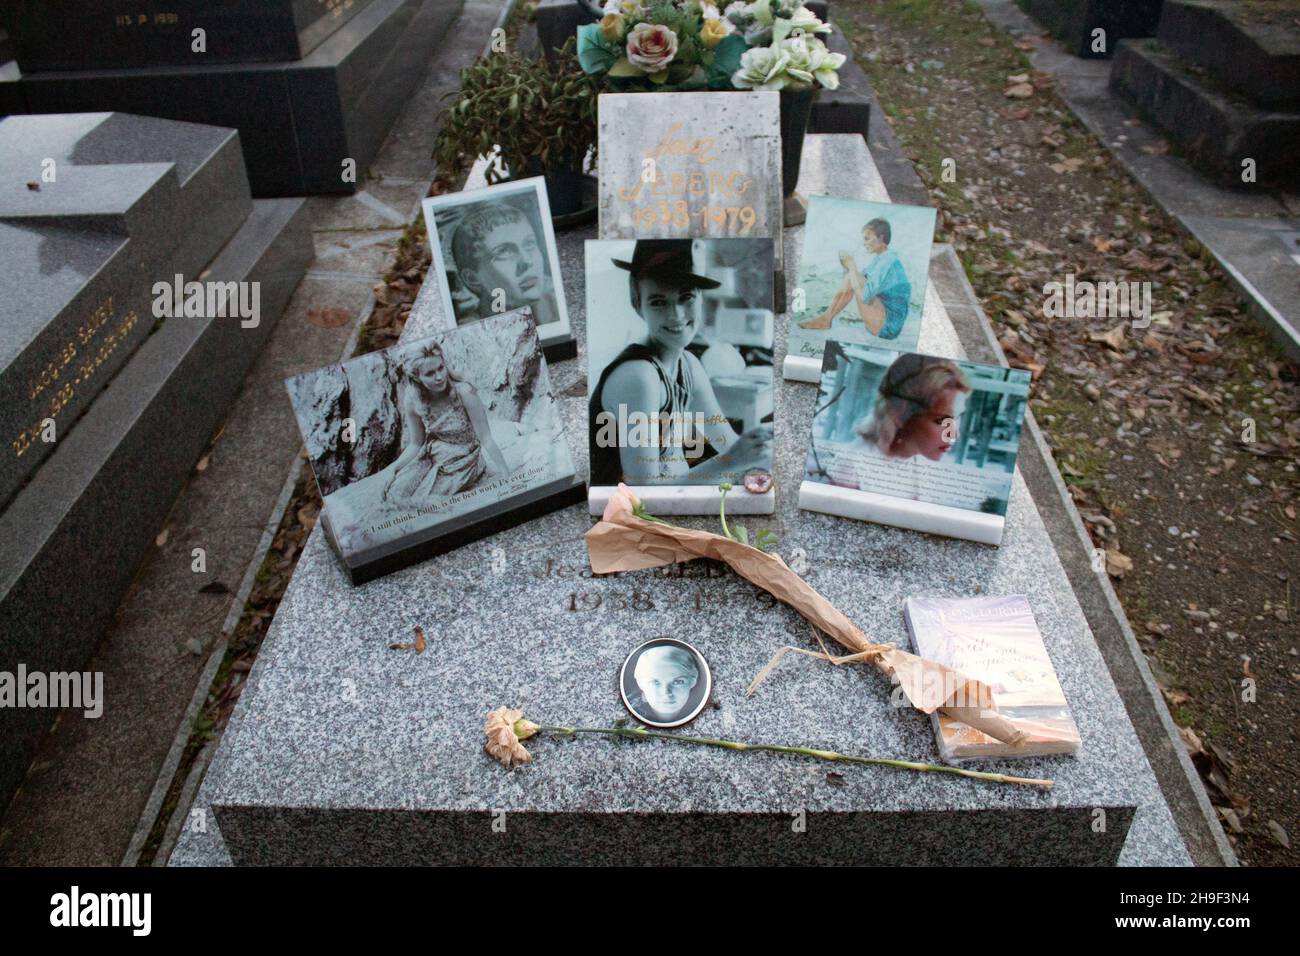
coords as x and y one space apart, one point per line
901 512
687 499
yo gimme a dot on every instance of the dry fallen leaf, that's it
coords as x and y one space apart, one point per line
1279 833
418 645
1117 564
1019 91
329 318
1070 165
1114 338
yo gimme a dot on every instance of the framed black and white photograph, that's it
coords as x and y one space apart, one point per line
433 438
680 339
665 683
494 252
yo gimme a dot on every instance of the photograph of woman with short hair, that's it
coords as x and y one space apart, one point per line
700 374
862 275
879 291
918 427
665 682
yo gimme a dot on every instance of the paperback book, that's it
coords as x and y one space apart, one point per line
996 641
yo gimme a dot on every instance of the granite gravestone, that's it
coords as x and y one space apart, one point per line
1222 81
308 126
95 208
107 34
76 307
691 165
341 750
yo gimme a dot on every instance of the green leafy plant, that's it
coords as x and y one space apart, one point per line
527 109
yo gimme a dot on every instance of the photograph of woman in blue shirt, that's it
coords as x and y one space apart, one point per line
880 291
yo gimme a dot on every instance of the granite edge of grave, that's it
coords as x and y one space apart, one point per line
344 87
1196 819
556 352
319 554
203 196
74 507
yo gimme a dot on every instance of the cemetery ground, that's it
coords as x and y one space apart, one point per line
1198 525
1178 441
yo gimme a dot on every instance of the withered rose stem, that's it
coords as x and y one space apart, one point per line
640 733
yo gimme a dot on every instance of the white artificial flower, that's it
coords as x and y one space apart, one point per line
807 21
762 68
810 62
737 12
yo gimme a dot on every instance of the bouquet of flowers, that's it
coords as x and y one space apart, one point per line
669 45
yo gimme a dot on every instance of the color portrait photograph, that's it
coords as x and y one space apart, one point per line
862 276
917 427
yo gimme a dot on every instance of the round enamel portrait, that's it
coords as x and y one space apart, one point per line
665 683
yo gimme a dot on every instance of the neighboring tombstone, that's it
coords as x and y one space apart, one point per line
309 126
692 165
106 34
132 202
98 207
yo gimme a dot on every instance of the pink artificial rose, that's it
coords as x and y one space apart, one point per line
651 47
621 502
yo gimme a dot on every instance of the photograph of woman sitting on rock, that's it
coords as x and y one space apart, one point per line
447 444
880 290
446 448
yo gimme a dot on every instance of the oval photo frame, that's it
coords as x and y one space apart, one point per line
665 683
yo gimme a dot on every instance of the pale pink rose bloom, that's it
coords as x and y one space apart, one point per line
651 47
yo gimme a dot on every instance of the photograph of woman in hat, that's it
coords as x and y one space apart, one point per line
657 377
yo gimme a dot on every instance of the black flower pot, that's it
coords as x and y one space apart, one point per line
796 108
564 185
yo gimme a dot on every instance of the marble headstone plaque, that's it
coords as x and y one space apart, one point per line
691 165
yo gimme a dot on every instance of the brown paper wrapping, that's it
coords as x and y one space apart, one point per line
621 541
